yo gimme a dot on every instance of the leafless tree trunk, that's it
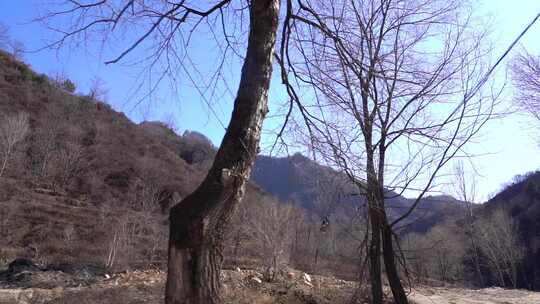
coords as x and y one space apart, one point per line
198 222
465 189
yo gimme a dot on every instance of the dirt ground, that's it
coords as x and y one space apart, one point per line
240 287
494 295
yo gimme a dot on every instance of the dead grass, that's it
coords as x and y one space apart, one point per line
249 297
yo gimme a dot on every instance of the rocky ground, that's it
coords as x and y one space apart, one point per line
494 295
26 283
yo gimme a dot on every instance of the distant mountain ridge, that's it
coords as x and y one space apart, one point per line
301 180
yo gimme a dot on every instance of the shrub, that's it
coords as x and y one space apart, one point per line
40 78
68 85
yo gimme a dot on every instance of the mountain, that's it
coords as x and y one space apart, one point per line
322 190
295 178
87 176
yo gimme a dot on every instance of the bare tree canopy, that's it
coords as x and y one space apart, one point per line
498 239
4 36
13 129
158 37
402 71
525 69
394 95
15 47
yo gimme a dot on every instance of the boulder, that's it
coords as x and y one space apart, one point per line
20 265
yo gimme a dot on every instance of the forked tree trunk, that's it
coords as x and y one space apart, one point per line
390 265
381 231
197 223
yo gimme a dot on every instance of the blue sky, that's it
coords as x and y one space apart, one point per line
507 147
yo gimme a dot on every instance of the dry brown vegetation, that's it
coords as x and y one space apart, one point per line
85 179
86 185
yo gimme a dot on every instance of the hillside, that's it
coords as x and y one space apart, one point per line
89 189
87 183
521 199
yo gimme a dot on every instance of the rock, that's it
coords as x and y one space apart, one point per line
20 265
30 296
307 298
256 280
238 269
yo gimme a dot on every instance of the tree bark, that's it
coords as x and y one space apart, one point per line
375 257
381 230
374 213
197 223
390 265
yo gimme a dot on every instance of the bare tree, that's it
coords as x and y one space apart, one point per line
44 146
69 236
15 47
465 189
446 253
151 231
98 91
391 87
498 237
170 121
416 248
121 246
197 224
269 224
438 254
68 161
525 69
4 36
13 129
